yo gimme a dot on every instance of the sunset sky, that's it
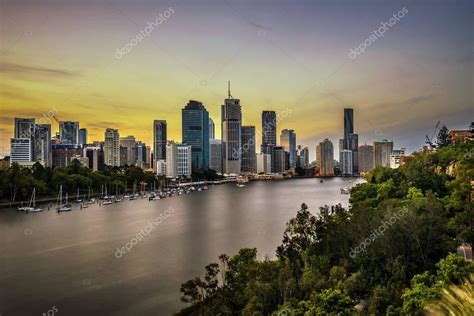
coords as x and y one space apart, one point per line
294 55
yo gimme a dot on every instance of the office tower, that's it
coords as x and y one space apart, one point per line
382 151
353 145
215 155
288 142
171 160
268 131
195 131
395 157
159 141
42 148
179 160
123 156
302 157
112 147
325 158
231 125
212 129
20 151
278 159
95 157
348 123
63 154
129 144
264 163
82 136
25 128
184 160
140 154
366 158
69 132
249 163
148 155
346 162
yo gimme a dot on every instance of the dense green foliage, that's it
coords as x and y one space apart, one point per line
389 253
17 183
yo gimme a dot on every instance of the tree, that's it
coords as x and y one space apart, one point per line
443 137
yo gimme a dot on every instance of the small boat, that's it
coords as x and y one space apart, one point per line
117 200
205 187
63 207
78 198
85 205
107 202
240 185
321 181
345 190
32 206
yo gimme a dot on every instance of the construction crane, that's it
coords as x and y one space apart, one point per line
429 140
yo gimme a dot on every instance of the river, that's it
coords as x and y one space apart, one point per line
69 260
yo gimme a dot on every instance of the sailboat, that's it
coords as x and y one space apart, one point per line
63 207
107 199
78 199
89 199
117 199
32 205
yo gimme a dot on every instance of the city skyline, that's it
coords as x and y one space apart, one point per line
83 81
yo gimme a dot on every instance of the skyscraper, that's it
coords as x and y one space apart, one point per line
268 131
302 157
140 154
382 151
278 159
215 155
82 136
353 145
231 124
348 123
264 162
346 162
178 162
195 131
249 163
366 158
69 132
20 151
159 140
395 157
325 158
212 129
42 148
112 147
288 142
129 144
25 128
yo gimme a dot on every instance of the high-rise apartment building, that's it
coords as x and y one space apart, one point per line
325 158
302 157
129 143
249 163
231 125
264 163
20 151
382 151
112 147
69 132
288 142
25 128
346 162
195 131
366 158
179 160
269 122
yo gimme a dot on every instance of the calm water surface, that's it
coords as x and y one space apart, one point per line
68 260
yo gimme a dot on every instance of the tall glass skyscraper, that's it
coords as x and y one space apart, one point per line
249 162
231 120
159 140
268 131
288 142
195 129
348 123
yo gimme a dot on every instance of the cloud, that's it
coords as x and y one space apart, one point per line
35 71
